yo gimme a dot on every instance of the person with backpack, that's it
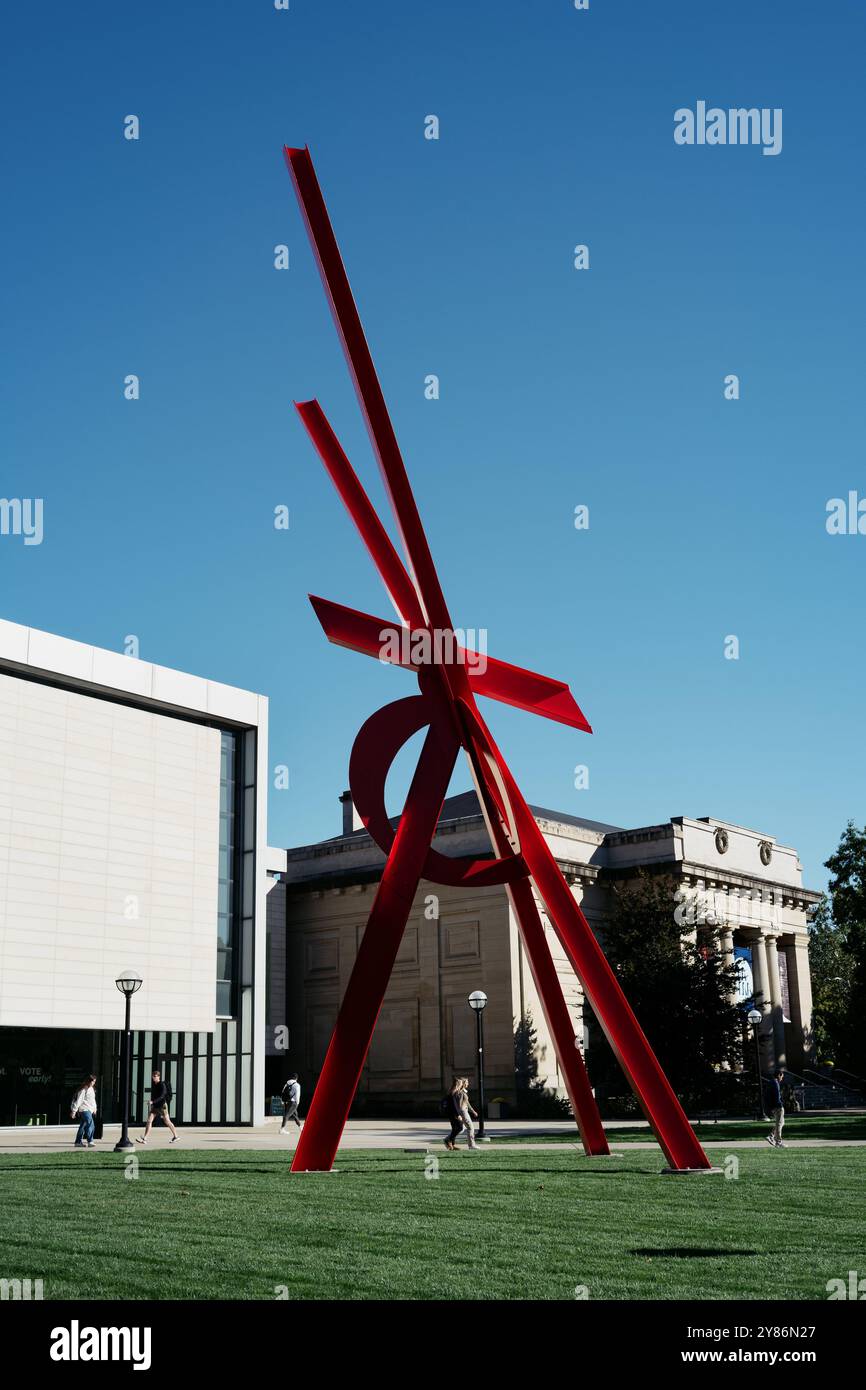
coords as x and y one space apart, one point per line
83 1109
291 1098
160 1099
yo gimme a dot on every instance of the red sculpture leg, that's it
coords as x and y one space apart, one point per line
558 1019
622 1030
344 1062
499 819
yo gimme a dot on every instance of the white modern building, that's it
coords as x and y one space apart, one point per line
132 836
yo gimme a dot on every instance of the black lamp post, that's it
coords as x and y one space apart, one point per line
127 983
478 1003
754 1018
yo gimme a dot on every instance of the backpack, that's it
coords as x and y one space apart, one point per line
169 1093
445 1107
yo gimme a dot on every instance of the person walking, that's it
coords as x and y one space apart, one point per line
83 1109
291 1098
467 1113
160 1099
776 1108
451 1110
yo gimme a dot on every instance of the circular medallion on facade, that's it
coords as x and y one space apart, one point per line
722 841
766 851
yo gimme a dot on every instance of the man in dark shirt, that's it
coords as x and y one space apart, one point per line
776 1108
291 1101
160 1095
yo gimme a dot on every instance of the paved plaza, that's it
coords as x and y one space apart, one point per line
365 1134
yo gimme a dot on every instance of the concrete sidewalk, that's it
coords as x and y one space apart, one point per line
358 1134
366 1134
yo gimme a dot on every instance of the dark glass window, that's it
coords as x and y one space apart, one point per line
227 906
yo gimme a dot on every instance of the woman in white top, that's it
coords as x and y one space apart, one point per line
83 1110
466 1111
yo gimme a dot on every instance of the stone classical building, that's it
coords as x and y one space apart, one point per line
738 889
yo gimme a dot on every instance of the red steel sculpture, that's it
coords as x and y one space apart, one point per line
446 707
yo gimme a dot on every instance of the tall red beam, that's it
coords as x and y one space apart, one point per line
447 707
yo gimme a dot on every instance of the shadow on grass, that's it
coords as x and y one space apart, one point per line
687 1252
373 1169
534 1171
111 1169
799 1125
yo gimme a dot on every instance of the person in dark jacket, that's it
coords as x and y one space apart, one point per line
160 1095
776 1106
291 1098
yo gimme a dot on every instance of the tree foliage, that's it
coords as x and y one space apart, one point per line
678 986
840 960
830 970
534 1099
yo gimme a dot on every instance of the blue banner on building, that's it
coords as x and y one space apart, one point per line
745 980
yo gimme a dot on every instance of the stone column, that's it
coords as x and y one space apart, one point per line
800 991
726 952
763 1002
726 948
776 1001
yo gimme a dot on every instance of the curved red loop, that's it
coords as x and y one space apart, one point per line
378 742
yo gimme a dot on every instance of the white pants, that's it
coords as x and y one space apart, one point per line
469 1128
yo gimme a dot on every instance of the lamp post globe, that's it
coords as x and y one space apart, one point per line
477 1002
129 983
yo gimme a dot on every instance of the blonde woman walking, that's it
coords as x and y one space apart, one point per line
451 1110
466 1112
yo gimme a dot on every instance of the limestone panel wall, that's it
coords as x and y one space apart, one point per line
455 941
109 843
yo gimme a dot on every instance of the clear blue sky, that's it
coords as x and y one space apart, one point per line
558 387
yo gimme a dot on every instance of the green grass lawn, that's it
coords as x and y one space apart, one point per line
501 1224
805 1126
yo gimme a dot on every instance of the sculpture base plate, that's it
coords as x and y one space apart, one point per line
691 1172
